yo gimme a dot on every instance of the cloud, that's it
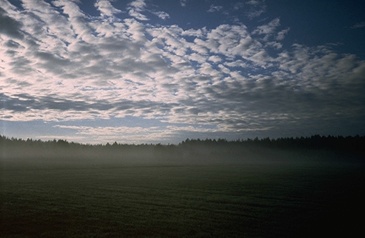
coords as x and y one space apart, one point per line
238 6
109 133
9 26
59 64
138 4
270 34
106 8
255 8
161 14
30 107
254 2
136 8
77 20
358 25
269 28
134 134
215 8
281 35
215 59
183 3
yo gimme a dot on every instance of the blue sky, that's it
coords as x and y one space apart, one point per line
151 71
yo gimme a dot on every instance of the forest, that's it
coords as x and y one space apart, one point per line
192 150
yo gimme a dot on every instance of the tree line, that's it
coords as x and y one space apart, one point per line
349 145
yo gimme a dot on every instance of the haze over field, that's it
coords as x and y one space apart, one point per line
304 187
147 71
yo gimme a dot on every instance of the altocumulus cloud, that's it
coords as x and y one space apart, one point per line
59 63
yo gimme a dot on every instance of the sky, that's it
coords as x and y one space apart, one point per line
162 71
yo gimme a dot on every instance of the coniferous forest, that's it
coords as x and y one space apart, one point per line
351 147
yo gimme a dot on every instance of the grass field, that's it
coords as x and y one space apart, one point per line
161 200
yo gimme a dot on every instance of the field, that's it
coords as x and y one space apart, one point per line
165 200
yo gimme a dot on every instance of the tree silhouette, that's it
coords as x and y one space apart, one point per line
351 146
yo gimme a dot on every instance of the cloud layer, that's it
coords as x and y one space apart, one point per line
59 63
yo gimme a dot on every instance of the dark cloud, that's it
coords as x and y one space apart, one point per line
12 44
25 102
15 104
10 26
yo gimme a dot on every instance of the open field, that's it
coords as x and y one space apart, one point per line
157 200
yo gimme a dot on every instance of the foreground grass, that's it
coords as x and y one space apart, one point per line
156 200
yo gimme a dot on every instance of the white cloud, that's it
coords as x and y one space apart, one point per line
136 8
215 59
77 20
106 8
135 30
137 134
138 4
161 14
318 68
281 35
138 15
194 32
61 64
121 134
268 28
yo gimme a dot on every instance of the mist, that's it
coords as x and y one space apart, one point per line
315 149
288 187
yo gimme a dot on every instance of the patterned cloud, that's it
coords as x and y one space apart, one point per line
59 63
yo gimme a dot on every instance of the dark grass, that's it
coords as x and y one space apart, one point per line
160 200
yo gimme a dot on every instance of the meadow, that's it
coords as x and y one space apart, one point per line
114 198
